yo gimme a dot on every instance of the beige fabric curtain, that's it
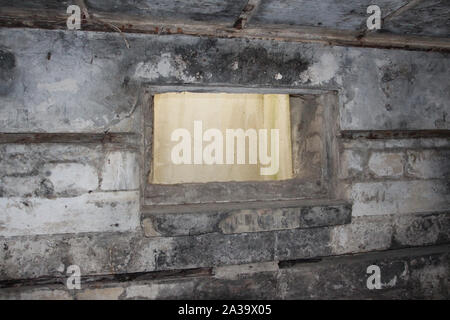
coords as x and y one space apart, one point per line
196 113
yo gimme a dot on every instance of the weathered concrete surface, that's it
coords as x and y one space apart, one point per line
411 273
203 10
120 171
39 4
65 83
395 176
348 15
426 18
59 188
65 169
106 253
82 83
94 212
252 217
383 164
429 164
394 92
410 276
284 218
375 233
308 123
234 191
361 160
377 198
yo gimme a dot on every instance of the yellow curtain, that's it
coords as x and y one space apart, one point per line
220 111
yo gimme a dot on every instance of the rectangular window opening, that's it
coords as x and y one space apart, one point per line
220 137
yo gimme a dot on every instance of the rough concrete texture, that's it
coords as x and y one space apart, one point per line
408 277
79 203
203 10
234 191
307 126
395 176
348 15
59 188
120 171
56 72
433 19
283 218
427 18
429 164
374 198
412 273
386 164
118 253
39 4
267 216
95 212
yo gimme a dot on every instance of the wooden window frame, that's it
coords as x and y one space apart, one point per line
223 192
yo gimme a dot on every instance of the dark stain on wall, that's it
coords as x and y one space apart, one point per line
7 67
252 64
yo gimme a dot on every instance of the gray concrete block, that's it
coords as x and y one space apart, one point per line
244 217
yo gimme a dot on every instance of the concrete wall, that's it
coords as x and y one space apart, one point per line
71 165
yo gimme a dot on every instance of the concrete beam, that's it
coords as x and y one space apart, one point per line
244 217
53 19
394 134
407 273
27 257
